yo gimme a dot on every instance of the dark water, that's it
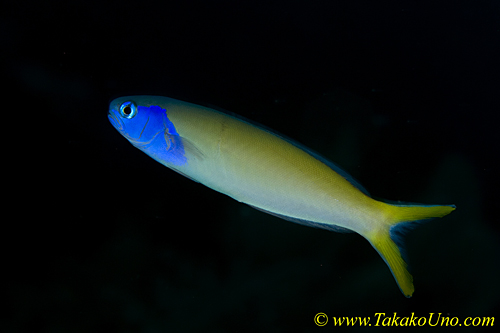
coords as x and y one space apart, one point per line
101 238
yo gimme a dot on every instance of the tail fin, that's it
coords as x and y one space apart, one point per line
388 239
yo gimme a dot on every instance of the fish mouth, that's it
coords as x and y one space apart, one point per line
114 121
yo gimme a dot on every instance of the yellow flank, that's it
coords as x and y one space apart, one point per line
261 169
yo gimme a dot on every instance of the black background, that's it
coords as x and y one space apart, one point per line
98 237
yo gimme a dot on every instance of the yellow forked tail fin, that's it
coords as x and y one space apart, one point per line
388 239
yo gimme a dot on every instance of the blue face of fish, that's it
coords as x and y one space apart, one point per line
140 125
149 129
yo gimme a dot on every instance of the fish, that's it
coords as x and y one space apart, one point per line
268 171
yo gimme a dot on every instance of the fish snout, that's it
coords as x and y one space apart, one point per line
113 120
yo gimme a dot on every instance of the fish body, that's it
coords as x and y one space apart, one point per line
263 169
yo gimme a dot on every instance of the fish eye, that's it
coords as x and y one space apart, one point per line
128 110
